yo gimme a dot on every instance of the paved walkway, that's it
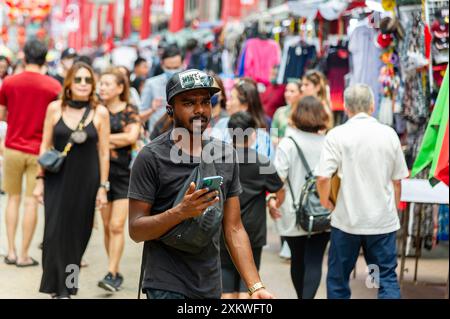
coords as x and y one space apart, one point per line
24 283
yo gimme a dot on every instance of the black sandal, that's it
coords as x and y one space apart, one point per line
32 264
10 261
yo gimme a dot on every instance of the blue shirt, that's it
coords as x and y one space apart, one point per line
263 145
154 88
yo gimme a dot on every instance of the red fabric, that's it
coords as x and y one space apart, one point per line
231 9
111 25
177 21
146 26
442 171
99 26
273 98
26 97
428 38
126 19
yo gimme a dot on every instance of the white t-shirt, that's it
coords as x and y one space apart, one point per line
368 157
288 164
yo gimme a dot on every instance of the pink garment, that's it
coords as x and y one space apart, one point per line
261 57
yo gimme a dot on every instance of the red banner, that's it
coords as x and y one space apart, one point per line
177 21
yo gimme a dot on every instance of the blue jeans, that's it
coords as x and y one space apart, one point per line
163 294
379 250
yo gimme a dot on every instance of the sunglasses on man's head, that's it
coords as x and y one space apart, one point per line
79 79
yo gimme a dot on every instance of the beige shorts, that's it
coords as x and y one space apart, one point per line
15 165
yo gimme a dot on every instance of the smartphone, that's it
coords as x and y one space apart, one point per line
213 183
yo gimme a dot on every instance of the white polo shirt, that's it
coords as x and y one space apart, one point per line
368 157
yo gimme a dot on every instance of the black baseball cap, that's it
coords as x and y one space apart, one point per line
68 53
189 80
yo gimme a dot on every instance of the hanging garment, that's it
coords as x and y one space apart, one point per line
336 67
365 59
385 114
261 57
301 57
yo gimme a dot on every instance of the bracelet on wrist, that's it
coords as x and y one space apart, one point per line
255 288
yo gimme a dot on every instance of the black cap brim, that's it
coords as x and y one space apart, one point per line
212 90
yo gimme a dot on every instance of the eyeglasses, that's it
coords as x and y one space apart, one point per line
79 79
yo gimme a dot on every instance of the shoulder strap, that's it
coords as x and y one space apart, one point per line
143 263
305 164
84 118
302 156
80 126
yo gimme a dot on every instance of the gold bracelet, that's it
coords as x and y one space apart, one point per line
255 288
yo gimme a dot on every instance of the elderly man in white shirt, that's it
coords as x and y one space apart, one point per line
368 159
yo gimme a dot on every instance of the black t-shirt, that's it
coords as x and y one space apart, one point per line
257 176
120 158
156 179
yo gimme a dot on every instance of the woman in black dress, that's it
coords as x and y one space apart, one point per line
125 130
71 196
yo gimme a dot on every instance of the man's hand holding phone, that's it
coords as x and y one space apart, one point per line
196 201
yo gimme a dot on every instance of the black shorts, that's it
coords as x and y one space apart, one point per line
231 280
119 187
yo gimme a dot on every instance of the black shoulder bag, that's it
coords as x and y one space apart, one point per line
194 234
52 160
311 216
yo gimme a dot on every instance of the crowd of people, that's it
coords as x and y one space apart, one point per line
114 130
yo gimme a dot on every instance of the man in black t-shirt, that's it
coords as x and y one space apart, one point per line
158 175
257 176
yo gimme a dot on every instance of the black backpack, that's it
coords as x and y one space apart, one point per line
311 216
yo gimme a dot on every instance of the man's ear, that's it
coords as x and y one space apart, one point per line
169 110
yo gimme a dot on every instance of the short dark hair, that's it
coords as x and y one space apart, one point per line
35 52
310 115
139 61
83 58
171 51
241 120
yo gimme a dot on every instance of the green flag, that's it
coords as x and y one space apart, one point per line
434 135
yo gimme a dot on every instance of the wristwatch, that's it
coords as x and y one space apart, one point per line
255 288
106 185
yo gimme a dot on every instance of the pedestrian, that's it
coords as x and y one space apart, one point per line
218 101
66 61
141 69
153 97
314 83
307 252
161 171
257 176
71 195
5 65
244 97
125 129
22 95
134 95
280 122
368 159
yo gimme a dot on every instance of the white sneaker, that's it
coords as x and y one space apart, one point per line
285 252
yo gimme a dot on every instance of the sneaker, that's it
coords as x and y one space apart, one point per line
119 279
111 283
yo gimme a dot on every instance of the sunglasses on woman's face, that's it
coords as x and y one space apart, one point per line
79 79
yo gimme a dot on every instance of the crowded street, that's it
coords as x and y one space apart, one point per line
215 150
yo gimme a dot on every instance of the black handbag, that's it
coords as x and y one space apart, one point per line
311 216
53 160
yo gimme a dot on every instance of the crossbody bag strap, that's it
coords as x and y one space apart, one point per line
80 126
143 264
305 164
302 156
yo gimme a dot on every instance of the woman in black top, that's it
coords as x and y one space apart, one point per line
71 195
125 129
